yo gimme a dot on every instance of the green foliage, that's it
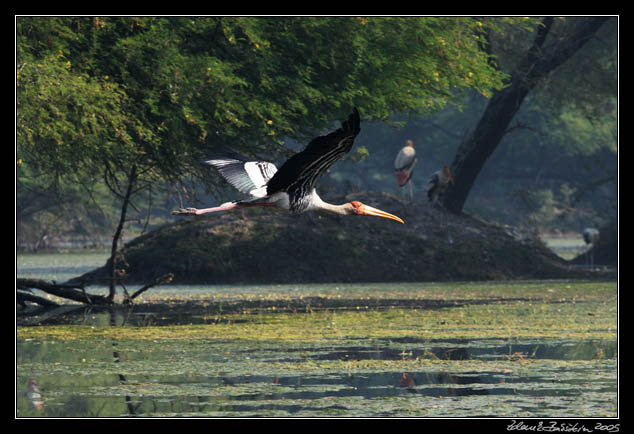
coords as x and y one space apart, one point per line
157 89
67 121
97 95
579 134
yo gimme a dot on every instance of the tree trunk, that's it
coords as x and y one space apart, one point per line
114 258
538 61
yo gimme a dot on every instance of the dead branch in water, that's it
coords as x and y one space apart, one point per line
71 292
75 292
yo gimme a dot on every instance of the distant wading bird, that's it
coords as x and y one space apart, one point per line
292 187
404 166
436 188
591 237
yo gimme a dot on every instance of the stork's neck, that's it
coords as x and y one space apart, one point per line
336 209
317 204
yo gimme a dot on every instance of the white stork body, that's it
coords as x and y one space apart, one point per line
590 237
292 187
436 188
404 166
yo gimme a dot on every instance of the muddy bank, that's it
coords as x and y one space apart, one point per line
264 246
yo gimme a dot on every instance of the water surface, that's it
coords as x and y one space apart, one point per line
488 349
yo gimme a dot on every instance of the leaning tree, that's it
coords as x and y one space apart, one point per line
544 55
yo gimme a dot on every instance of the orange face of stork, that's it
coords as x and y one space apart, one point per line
359 208
448 173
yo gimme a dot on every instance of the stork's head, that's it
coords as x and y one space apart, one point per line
448 173
358 208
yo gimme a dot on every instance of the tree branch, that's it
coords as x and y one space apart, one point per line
117 235
162 280
61 290
21 297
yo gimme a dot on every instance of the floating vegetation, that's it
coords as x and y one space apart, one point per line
544 349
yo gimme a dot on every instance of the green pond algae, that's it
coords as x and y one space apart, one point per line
520 349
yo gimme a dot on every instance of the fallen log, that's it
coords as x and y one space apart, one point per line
23 297
77 291
71 292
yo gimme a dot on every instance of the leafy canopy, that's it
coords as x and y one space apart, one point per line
97 95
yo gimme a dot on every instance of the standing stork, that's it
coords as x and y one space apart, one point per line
292 187
404 166
436 188
590 237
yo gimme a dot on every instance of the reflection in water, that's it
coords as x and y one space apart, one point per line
117 358
92 377
34 395
209 378
407 380
198 378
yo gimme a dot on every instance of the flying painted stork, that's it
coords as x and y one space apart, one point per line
436 188
292 187
591 238
404 166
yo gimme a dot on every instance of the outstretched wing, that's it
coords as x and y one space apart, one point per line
300 173
248 177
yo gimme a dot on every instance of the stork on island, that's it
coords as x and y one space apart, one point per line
436 188
292 187
404 166
590 237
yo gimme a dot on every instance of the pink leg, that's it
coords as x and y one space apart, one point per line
224 207
195 211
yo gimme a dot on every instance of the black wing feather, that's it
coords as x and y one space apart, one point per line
300 173
432 186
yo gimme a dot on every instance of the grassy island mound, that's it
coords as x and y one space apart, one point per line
264 246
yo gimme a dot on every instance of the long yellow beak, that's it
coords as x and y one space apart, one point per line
368 210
